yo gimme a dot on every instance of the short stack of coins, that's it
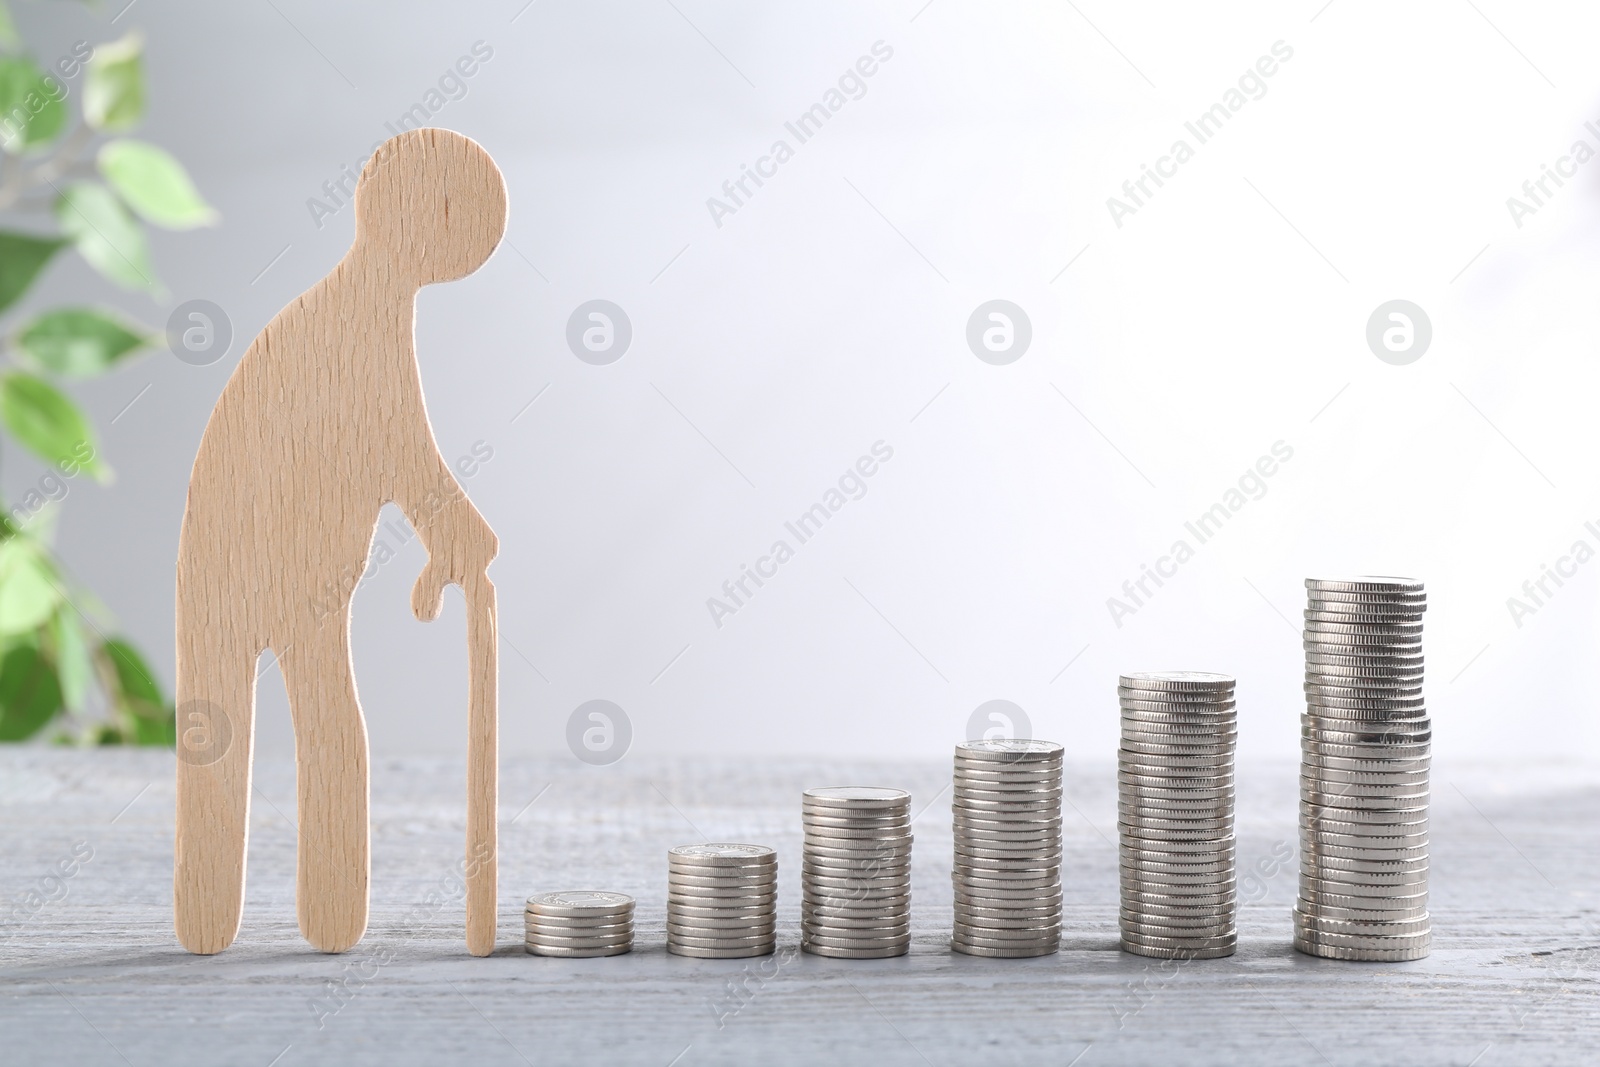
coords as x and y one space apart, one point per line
584 922
1006 807
855 879
722 900
1364 743
1175 814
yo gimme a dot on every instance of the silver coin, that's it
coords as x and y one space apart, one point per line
1145 894
1399 754
1332 807
986 925
854 953
1369 782
857 796
1385 695
1176 887
887 856
1193 712
747 932
1317 931
690 913
831 940
1404 630
722 875
1367 955
1042 790
559 923
1156 941
967 935
892 885
1360 895
840 868
690 881
580 953
1385 584
983 881
1009 750
682 922
1314 789
1341 612
1206 764
1147 932
721 954
1176 696
1017 898
1183 728
720 942
1041 773
717 854
1307 907
1176 681
599 941
580 902
1177 852
1005 953
857 904
1133 746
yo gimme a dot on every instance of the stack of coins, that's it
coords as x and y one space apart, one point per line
1364 743
1007 873
856 878
584 922
722 900
1175 814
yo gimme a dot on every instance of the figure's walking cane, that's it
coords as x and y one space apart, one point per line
482 861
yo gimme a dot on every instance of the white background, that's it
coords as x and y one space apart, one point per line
768 354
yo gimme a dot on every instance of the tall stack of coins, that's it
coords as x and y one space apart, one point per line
1006 806
1364 743
856 877
583 922
721 900
1175 814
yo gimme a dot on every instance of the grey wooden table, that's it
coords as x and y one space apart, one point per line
90 971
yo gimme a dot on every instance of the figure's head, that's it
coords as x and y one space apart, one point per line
432 203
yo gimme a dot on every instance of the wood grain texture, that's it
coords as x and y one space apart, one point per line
1514 977
321 424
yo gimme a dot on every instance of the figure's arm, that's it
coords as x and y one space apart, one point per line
458 540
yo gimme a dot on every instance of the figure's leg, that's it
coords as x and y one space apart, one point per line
330 744
216 727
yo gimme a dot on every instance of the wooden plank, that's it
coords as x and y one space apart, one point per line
1514 977
321 424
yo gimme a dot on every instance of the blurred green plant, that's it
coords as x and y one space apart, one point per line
80 185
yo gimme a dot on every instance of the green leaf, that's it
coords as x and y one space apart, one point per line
74 669
8 28
147 718
135 680
155 185
105 234
32 111
28 590
22 257
30 694
113 87
80 342
49 424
